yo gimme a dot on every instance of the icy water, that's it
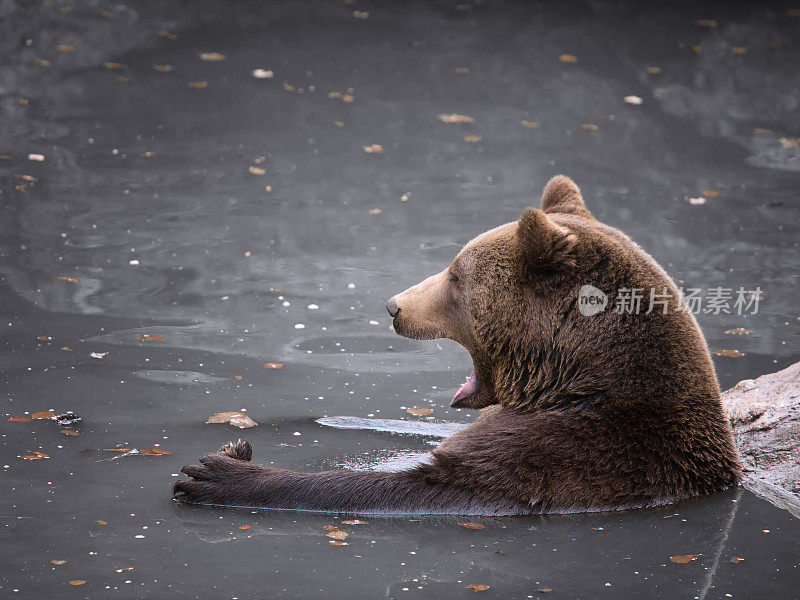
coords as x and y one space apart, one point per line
241 220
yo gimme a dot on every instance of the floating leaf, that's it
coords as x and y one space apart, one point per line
98 354
472 138
470 525
77 581
337 543
70 432
710 193
36 157
166 34
530 124
108 14
373 149
163 68
337 534
273 365
34 456
361 14
729 353
375 211
589 127
739 50
48 414
43 63
70 279
545 590
633 100
738 331
568 58
238 377
155 452
696 49
348 98
262 73
683 559
454 118
212 56
787 143
124 569
101 522
112 65
706 23
237 419
19 419
147 154
462 70
198 85
30 178
654 70
599 528
245 526
147 337
257 170
478 587
355 522
118 449
44 338
59 562
737 559
419 412
65 48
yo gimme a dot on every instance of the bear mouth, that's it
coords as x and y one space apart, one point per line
468 389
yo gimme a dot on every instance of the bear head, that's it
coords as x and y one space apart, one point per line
512 297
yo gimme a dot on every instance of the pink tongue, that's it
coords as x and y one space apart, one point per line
469 388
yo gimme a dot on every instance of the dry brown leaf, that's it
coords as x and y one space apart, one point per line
273 365
19 419
739 50
44 338
36 157
589 127
163 68
454 118
59 562
77 581
568 58
288 87
34 456
729 353
30 178
67 348
787 143
375 211
361 14
737 559
108 14
43 63
237 419
470 525
478 587
124 569
696 49
147 154
355 522
633 100
334 94
337 543
198 85
263 73
694 201
373 149
348 98
337 534
212 56
339 123
545 590
238 377
70 432
245 526
654 70
148 337
112 65
166 34
710 193
472 138
70 279
117 449
683 559
706 23
155 452
257 170
599 528
530 124
462 70
65 48
101 522
47 414
419 412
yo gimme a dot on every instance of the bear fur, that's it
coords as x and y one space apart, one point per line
616 410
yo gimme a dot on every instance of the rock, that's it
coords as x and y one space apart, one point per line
765 415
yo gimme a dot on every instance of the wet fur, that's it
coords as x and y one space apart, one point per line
584 413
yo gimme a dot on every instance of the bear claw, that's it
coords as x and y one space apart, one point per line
239 450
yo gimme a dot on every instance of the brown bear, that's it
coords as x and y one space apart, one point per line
589 405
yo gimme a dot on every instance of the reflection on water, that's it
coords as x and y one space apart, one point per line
146 219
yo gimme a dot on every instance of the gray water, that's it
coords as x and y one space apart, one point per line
189 245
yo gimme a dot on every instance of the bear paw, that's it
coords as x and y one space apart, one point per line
220 479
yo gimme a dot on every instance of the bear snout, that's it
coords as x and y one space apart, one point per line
391 307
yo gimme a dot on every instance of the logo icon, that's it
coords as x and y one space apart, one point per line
591 300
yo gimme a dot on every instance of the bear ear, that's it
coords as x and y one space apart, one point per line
542 244
561 195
